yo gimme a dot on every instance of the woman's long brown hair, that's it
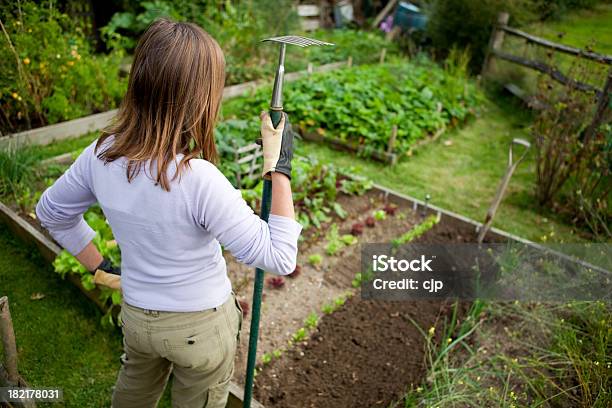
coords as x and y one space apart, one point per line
172 101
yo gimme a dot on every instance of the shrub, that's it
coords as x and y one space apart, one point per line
546 9
464 23
574 152
49 73
238 26
363 46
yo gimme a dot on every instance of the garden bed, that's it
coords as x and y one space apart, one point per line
381 111
365 354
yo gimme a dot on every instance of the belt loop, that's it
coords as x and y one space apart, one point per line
153 313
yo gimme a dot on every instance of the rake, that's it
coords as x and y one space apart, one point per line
276 113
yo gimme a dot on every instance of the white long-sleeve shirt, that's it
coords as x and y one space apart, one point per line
169 240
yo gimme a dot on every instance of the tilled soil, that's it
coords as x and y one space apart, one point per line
284 310
366 354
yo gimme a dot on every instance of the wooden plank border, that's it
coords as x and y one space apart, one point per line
378 155
59 131
339 144
77 127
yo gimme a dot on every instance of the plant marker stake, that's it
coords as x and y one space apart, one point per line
276 113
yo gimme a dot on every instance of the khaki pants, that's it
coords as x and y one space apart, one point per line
197 347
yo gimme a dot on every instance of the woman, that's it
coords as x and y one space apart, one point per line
170 210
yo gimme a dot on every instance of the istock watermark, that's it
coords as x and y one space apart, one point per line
509 271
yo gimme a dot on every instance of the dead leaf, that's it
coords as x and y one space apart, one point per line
37 296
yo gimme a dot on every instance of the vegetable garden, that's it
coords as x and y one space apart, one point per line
320 344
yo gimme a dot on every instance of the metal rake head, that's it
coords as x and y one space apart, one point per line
277 91
296 40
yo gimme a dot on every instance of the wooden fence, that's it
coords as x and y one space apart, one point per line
495 51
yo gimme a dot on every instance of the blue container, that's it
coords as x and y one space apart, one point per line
408 16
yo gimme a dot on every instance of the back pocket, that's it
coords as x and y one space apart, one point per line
193 348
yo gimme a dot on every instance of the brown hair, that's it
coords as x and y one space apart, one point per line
172 101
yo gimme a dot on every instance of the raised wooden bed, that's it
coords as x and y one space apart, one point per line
339 144
389 156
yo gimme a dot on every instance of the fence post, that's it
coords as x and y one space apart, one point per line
7 334
392 138
602 105
495 42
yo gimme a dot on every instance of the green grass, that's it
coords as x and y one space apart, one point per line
65 146
580 29
519 355
60 340
464 175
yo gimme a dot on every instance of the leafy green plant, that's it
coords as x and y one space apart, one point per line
416 231
316 187
299 335
18 168
337 303
357 280
336 242
266 358
49 71
328 308
363 47
311 321
419 97
315 259
379 215
340 301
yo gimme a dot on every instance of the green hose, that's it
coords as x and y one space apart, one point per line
266 199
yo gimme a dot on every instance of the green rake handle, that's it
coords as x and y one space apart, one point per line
266 199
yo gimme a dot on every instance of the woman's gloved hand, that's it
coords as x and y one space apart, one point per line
107 267
277 145
108 275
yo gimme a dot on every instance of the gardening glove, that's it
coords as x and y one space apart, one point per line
277 145
106 266
108 275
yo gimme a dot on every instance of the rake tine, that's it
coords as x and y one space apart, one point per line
296 40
